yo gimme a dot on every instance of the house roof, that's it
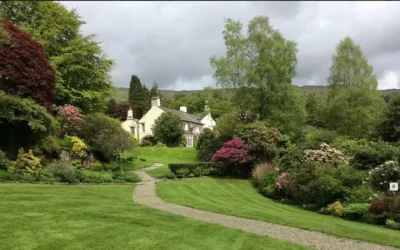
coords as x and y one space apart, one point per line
193 118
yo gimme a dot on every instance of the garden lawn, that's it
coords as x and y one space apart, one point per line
35 216
165 156
240 198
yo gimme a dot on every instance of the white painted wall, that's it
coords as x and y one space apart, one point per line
208 122
126 125
148 119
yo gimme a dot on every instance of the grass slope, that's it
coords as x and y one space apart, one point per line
104 217
165 155
240 198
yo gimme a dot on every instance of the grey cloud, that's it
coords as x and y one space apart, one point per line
172 42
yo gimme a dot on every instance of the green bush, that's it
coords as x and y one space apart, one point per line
206 135
105 135
87 176
267 185
373 155
7 176
200 171
348 145
50 147
97 166
355 211
392 224
291 159
4 162
320 184
315 137
125 177
209 147
360 194
182 170
66 143
170 175
381 176
63 171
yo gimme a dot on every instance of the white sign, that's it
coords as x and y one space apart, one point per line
394 186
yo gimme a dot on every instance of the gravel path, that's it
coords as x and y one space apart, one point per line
145 194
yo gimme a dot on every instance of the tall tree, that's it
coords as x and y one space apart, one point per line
154 90
354 105
259 67
313 110
389 128
168 129
82 69
135 91
24 69
145 99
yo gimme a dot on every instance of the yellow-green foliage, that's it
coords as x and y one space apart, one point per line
26 163
78 146
336 208
134 140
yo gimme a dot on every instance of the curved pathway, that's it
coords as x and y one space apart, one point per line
145 194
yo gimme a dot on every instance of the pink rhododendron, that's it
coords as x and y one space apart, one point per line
234 151
70 119
282 181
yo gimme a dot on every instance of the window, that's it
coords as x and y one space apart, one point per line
143 128
189 140
132 130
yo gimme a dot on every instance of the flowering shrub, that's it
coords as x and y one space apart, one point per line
281 181
70 119
78 146
234 151
261 139
234 154
382 175
26 163
336 208
325 154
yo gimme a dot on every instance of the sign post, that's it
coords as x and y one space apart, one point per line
394 186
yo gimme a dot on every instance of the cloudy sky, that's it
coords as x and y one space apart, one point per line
171 42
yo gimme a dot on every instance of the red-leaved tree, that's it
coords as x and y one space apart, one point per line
24 69
235 156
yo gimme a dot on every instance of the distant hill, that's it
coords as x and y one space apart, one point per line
121 94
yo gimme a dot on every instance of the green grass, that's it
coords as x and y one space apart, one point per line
165 156
104 217
240 198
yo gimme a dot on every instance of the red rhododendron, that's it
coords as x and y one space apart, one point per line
24 69
234 151
70 119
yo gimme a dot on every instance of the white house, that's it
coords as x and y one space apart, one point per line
193 123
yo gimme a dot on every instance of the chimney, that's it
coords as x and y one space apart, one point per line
155 101
183 109
130 114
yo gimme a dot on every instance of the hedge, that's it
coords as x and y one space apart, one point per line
197 169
